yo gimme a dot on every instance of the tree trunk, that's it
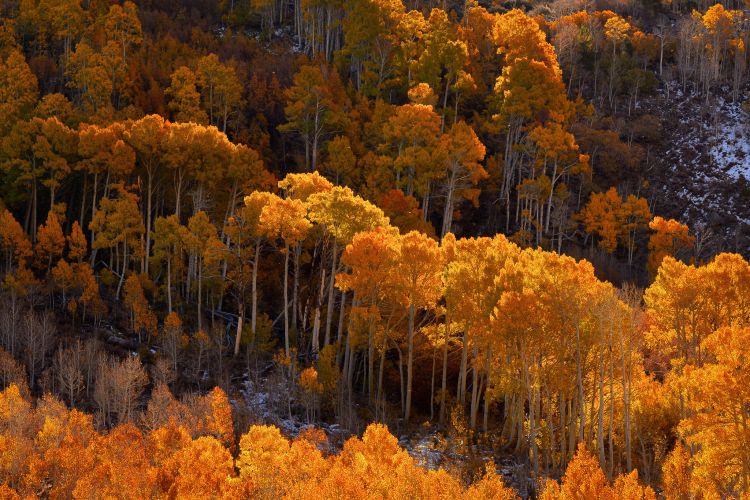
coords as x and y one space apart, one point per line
240 321
461 390
315 344
295 292
254 311
579 381
443 386
474 389
286 300
409 362
124 268
331 296
200 294
169 284
432 386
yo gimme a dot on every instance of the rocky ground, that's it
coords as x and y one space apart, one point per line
266 403
702 166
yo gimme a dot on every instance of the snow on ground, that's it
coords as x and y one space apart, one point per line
262 406
730 142
428 447
703 165
432 450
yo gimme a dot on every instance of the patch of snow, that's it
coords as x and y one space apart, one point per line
257 401
730 148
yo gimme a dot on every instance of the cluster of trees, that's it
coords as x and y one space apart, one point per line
188 449
540 351
130 200
447 105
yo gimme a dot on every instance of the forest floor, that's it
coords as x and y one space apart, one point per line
427 444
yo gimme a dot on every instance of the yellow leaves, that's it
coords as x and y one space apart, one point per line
676 472
372 257
254 204
393 269
554 143
195 152
411 137
308 381
143 318
146 136
104 150
42 151
88 73
285 219
18 88
465 152
585 480
173 322
341 164
221 90
422 93
246 168
418 270
118 220
719 21
317 105
527 87
185 99
122 466
14 244
531 80
328 370
668 239
201 233
262 453
615 219
220 421
343 213
715 428
50 239
302 186
12 406
616 29
601 216
63 275
628 487
77 243
123 26
204 470
491 485
699 322
518 36
469 277
376 462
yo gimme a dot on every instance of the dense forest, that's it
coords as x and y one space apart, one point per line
374 248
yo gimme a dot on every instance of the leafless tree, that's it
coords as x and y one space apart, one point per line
119 384
91 356
162 407
10 319
161 372
11 371
67 366
38 335
171 345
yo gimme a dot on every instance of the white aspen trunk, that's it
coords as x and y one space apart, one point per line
286 300
410 359
331 296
